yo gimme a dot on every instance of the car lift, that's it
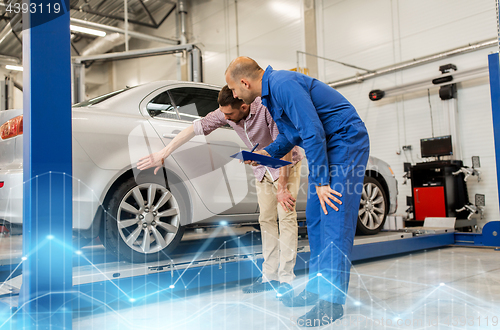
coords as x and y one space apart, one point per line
98 281
111 282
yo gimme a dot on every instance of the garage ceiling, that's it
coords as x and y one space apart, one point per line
149 13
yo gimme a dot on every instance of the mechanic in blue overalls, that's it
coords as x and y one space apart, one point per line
319 119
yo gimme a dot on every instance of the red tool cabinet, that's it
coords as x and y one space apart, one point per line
436 191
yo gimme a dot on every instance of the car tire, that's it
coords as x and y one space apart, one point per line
144 230
373 207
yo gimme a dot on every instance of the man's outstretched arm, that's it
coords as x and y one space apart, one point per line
156 159
203 126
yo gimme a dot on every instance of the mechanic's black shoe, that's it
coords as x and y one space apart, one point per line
305 298
285 291
259 286
323 313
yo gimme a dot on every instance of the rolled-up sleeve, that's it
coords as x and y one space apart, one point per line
299 108
209 123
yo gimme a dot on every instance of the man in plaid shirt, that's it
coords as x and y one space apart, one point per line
276 188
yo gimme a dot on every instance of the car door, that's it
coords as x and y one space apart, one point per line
222 182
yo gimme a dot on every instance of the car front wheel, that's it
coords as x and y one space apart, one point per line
372 208
143 221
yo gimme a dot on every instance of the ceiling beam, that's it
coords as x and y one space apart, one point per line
94 12
132 34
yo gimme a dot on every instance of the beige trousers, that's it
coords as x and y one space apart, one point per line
279 243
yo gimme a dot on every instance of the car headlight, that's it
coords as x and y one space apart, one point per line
12 128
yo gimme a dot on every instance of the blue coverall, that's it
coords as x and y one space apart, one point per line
319 119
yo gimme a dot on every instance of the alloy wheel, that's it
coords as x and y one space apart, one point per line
148 218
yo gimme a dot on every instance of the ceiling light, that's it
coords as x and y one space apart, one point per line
87 30
14 67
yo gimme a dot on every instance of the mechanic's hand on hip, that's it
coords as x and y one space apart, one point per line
154 160
285 199
326 196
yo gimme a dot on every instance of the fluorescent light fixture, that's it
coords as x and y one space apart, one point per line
14 67
87 30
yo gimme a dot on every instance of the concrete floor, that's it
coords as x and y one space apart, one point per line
448 288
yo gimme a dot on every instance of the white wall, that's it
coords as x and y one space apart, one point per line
270 31
377 33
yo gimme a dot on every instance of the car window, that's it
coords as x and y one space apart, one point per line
101 98
194 102
161 107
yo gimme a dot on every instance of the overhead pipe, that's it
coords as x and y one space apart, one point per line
134 54
103 45
236 28
92 12
181 33
17 85
181 5
329 59
132 34
9 60
497 5
116 17
453 77
125 19
413 63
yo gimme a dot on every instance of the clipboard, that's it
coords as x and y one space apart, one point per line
260 159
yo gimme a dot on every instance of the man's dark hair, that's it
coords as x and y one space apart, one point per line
226 98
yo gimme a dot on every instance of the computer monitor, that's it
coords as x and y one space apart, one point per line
437 146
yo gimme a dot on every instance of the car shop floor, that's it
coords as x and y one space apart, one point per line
447 288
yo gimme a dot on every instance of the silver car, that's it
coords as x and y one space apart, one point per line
141 217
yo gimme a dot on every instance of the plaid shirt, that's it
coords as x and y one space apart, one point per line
257 127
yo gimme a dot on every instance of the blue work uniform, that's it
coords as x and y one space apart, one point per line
319 119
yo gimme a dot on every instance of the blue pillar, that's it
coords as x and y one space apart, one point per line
47 165
494 66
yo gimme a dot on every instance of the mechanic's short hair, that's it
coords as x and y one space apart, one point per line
226 98
244 67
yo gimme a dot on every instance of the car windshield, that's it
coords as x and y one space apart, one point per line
101 98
